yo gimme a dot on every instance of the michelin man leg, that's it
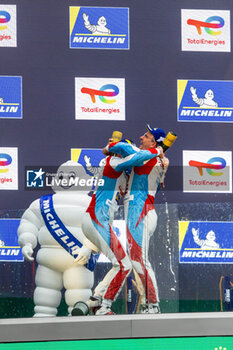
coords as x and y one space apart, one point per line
47 294
78 282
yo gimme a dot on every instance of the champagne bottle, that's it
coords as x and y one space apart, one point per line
168 141
116 136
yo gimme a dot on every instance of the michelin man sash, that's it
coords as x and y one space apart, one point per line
59 232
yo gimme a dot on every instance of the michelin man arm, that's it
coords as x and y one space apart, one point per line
28 232
193 92
196 238
196 99
87 24
84 252
27 252
94 170
86 19
195 233
87 161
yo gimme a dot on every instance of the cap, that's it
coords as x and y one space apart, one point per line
158 134
128 141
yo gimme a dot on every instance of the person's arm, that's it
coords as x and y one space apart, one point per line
122 148
136 159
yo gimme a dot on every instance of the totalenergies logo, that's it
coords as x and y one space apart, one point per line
4 18
102 93
5 160
215 163
213 22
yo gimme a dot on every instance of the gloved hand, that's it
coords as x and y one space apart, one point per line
27 252
83 255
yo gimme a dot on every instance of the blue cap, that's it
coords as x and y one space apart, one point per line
159 134
128 141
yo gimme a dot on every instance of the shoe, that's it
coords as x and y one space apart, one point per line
94 304
150 309
104 311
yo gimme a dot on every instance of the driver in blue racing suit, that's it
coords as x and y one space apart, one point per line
97 224
144 182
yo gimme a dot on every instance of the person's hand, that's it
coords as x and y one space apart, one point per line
83 255
27 252
105 150
165 162
160 149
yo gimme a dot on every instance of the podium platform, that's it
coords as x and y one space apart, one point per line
116 327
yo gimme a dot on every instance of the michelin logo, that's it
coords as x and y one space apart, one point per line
205 101
11 97
10 250
99 27
205 242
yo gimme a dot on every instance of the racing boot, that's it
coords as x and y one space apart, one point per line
104 310
150 309
94 304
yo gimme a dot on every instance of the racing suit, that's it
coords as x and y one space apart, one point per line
98 219
144 182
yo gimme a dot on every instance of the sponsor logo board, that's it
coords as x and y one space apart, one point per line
205 242
205 101
207 171
205 30
9 247
8 29
11 106
100 98
99 28
8 168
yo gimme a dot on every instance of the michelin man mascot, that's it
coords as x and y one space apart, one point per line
54 222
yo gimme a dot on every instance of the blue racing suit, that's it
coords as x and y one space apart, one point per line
144 182
98 219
